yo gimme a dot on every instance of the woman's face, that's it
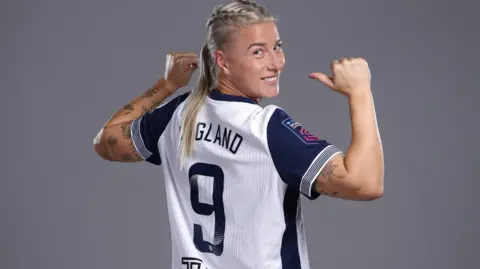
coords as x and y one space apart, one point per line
253 60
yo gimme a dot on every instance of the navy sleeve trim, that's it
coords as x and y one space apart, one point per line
147 129
308 179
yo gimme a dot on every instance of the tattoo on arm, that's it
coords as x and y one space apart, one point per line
126 131
112 141
151 92
323 192
128 108
133 155
328 170
155 104
145 110
109 148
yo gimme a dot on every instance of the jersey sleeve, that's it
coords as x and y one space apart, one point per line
298 155
147 130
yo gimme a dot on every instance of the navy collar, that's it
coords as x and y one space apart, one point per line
217 95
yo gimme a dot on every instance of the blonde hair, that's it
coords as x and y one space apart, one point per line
225 19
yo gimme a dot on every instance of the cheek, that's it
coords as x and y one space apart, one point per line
255 68
250 70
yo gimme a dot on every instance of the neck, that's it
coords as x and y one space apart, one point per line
226 87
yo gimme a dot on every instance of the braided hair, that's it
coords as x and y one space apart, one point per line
224 20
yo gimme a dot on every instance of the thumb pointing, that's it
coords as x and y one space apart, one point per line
322 78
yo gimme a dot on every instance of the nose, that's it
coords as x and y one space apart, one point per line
276 61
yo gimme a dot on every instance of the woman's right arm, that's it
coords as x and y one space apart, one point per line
114 142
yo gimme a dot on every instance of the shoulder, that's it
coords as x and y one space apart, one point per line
264 115
274 124
276 120
173 102
280 128
163 113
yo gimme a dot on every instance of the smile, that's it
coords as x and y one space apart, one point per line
271 79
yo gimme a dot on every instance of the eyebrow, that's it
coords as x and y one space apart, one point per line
262 44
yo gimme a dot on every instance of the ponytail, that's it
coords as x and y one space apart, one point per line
225 18
205 84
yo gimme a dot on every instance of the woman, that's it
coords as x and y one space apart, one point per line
234 170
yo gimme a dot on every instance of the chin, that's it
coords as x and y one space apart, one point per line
270 92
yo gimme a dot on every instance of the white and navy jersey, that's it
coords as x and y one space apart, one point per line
236 201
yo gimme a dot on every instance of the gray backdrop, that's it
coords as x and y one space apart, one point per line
67 66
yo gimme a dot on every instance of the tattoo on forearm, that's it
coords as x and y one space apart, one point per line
109 147
151 92
145 110
133 155
112 141
155 104
126 131
128 108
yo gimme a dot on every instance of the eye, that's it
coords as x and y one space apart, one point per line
278 46
258 52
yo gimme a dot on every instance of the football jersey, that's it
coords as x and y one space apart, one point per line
235 202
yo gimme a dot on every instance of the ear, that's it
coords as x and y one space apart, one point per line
221 61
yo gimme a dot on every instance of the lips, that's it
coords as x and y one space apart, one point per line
271 78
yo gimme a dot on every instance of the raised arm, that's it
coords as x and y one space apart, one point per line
359 174
114 142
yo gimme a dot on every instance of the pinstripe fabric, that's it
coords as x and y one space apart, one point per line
229 206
